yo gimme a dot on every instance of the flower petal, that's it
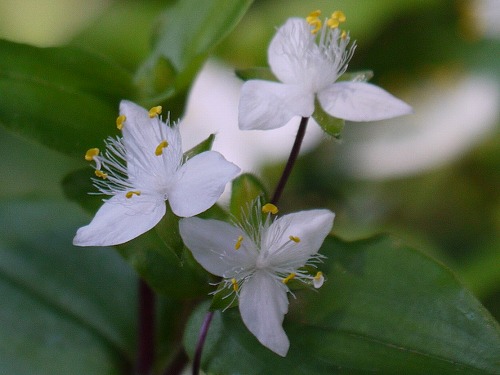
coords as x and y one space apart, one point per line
199 183
263 304
290 50
212 243
270 105
360 101
309 227
141 136
121 219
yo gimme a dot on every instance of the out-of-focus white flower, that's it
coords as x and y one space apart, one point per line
257 259
143 169
308 66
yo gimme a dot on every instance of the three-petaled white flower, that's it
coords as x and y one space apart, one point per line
143 169
257 259
309 70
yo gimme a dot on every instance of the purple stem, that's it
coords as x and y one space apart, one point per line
146 327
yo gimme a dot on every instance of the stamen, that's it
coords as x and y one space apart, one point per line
289 277
130 194
155 111
101 174
318 280
270 208
343 35
336 19
294 239
235 284
119 121
313 20
238 243
159 149
91 154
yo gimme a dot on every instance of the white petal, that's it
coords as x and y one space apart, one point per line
311 227
121 219
360 101
290 49
263 304
141 136
199 183
270 105
212 243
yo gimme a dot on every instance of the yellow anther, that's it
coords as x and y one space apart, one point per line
338 14
294 239
289 277
318 280
336 19
130 194
313 20
160 147
119 121
155 111
343 35
270 208
91 154
101 174
235 284
237 245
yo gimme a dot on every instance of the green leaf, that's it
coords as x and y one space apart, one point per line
187 32
359 76
65 310
64 98
384 308
77 187
245 189
331 125
256 73
203 146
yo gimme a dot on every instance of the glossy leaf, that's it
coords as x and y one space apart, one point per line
64 98
384 308
188 31
65 310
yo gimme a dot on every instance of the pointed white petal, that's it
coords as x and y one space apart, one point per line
263 304
212 243
270 105
199 183
310 227
290 49
360 101
121 219
141 136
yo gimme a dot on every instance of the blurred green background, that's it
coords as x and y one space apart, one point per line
431 178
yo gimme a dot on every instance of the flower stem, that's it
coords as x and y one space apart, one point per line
146 326
294 153
201 342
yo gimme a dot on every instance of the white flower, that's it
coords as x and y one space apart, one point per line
309 70
257 260
143 169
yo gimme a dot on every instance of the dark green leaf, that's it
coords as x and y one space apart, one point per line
246 188
256 73
64 98
168 230
188 31
385 308
78 187
65 310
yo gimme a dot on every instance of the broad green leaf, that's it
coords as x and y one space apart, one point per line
65 310
64 98
78 187
188 31
245 189
384 308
